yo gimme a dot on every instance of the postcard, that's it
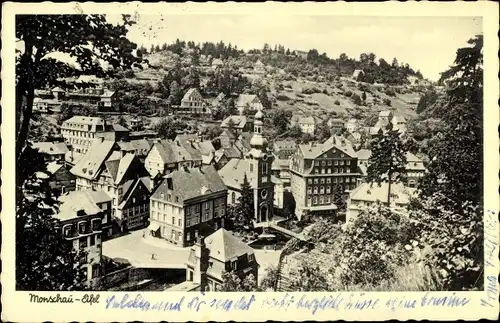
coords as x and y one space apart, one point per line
249 161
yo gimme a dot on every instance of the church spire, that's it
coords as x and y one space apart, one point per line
258 142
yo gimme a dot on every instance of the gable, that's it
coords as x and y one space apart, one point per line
333 153
138 191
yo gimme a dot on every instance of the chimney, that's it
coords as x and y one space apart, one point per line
201 253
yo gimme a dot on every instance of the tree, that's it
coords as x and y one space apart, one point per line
175 93
45 261
456 157
280 119
231 282
388 159
166 128
363 96
309 279
42 35
338 199
395 62
122 121
242 214
356 99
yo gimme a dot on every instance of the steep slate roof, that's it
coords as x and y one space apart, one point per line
371 194
190 183
51 148
234 172
224 246
53 167
244 139
88 166
124 165
86 200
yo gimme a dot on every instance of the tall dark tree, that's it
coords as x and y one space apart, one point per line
388 159
45 261
456 157
70 34
243 212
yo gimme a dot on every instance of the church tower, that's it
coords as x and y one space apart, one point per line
260 165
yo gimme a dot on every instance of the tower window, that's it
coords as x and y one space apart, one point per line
264 169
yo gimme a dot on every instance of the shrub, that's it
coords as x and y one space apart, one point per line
325 91
282 97
348 93
387 102
390 91
337 102
356 99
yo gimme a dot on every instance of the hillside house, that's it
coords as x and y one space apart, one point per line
358 75
415 168
251 102
192 103
336 126
259 67
352 125
368 194
217 63
237 124
307 125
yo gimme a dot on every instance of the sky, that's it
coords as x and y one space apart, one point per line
428 44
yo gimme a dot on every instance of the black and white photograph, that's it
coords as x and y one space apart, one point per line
240 153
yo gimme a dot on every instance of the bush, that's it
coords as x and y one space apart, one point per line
348 93
356 99
390 91
387 102
337 102
282 97
325 91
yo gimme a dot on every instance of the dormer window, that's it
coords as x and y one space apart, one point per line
251 257
68 230
96 223
82 227
234 265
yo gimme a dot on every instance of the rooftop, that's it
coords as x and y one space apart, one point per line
75 201
372 192
51 148
224 246
190 183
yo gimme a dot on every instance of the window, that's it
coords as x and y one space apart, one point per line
329 163
329 171
264 169
348 162
308 201
196 233
321 200
328 180
315 190
322 181
309 190
341 170
327 199
96 223
323 163
153 215
336 162
188 222
321 190
341 179
348 170
251 257
188 237
206 205
172 236
234 265
316 163
120 191
341 163
251 167
83 242
316 171
322 170
335 179
92 240
67 230
173 220
328 190
315 181
179 222
315 200
335 170
309 181
82 227
233 198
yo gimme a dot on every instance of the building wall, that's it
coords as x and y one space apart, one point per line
154 162
62 178
85 233
298 189
136 209
181 224
307 128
